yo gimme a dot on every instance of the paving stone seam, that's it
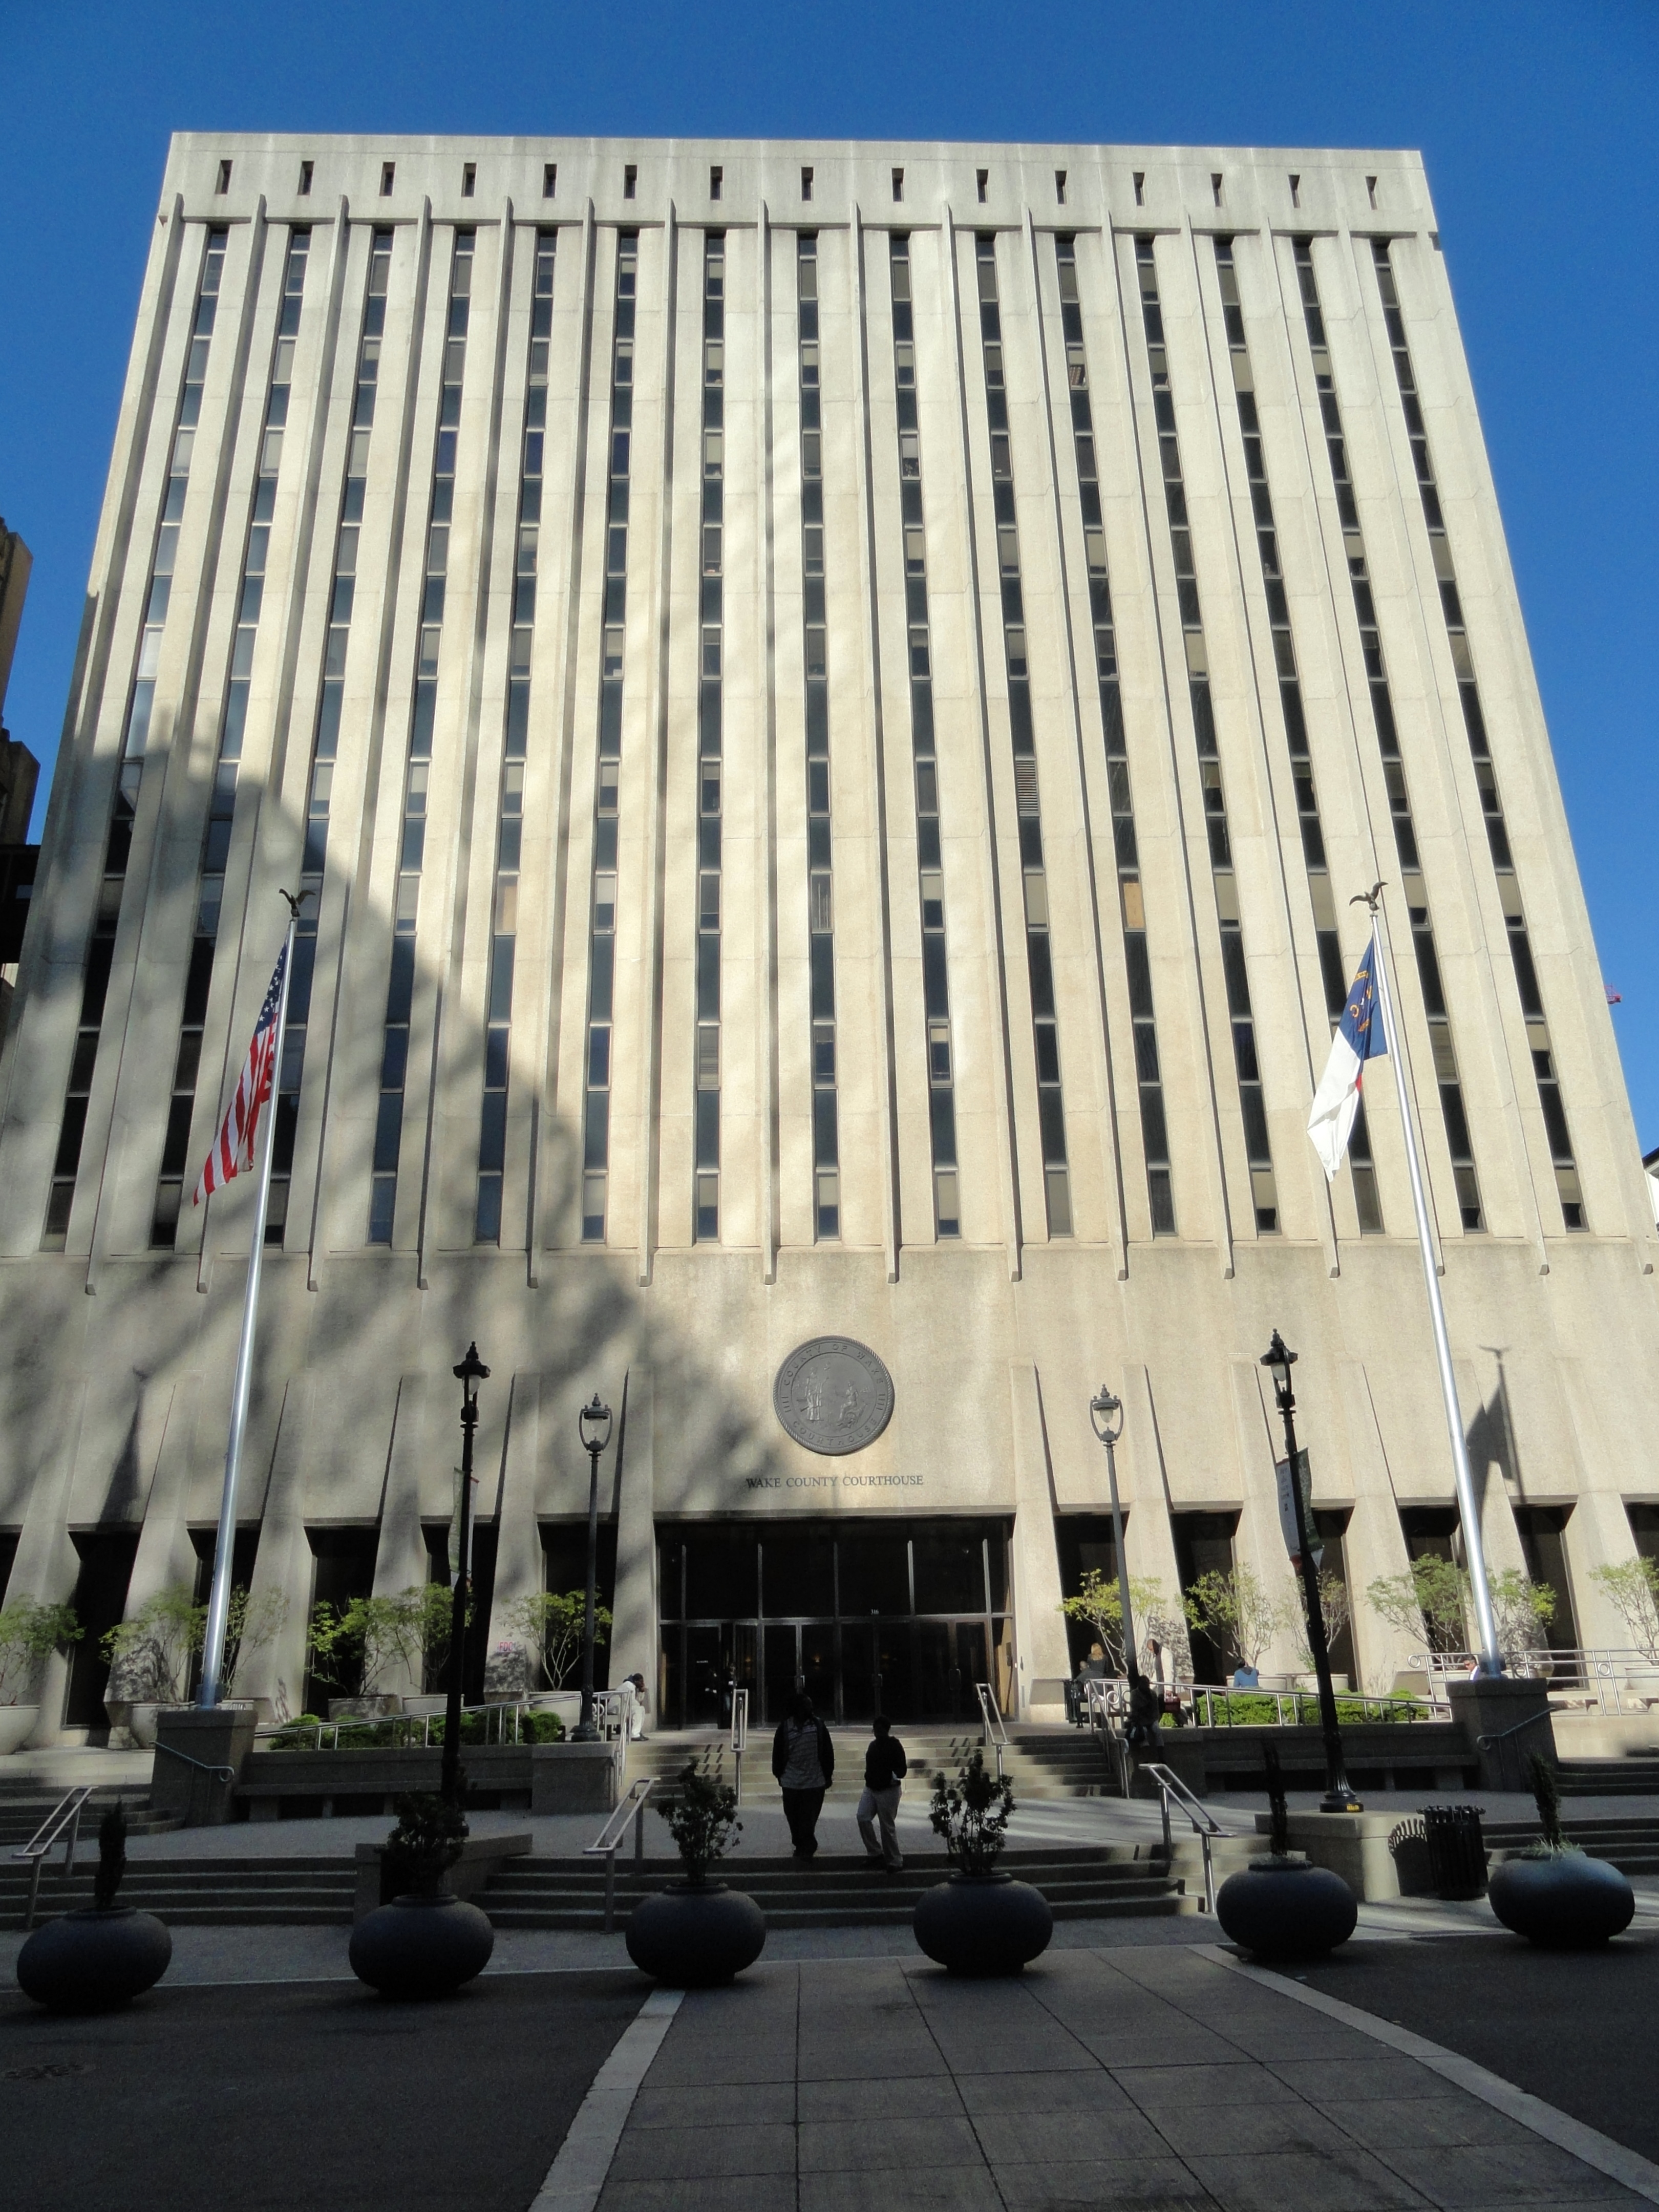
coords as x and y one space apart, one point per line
578 2174
1576 2137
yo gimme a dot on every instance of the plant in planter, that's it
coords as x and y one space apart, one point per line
695 1932
1281 1906
1553 1893
1238 1613
1097 1603
106 1953
980 1922
149 1658
423 1941
1632 1588
250 1624
1426 1602
29 1633
1334 1610
356 1646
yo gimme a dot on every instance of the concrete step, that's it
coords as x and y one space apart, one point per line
1609 1778
198 1893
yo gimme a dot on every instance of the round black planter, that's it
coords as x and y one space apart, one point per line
694 1934
421 1946
1286 1908
1566 1901
94 1959
983 1924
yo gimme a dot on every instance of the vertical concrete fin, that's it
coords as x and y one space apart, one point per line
1044 1659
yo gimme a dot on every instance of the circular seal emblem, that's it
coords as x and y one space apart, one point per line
834 1394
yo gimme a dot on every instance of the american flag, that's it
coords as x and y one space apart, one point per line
232 1148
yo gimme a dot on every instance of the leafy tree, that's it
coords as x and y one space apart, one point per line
1333 1607
29 1633
1521 1609
1632 1587
149 1654
1426 1602
365 1639
1098 1604
1237 1612
428 1839
552 1624
250 1622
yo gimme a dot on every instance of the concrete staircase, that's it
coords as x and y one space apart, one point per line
205 1893
1609 1778
1046 1765
25 1807
834 1892
1631 1845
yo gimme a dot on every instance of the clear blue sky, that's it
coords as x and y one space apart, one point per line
1537 122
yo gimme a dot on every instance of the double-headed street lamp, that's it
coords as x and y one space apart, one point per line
594 1426
469 1373
1106 1418
1338 1795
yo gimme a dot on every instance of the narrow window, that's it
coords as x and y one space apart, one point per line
1140 188
223 185
716 179
306 169
388 173
1215 187
898 184
1060 186
982 179
1296 192
469 178
806 184
550 179
1371 190
630 177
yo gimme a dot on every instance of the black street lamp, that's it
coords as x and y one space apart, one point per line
593 1425
1339 1795
1106 1418
469 1373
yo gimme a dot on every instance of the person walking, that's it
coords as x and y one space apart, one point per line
884 1769
802 1765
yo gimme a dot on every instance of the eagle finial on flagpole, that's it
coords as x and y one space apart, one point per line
1360 898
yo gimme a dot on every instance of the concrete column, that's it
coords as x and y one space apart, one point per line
400 1557
284 1562
634 1635
1044 1661
521 1567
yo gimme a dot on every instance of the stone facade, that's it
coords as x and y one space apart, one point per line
119 1330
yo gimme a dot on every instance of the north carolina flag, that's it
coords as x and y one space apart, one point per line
1359 1038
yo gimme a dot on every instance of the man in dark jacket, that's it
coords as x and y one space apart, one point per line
804 1765
884 1769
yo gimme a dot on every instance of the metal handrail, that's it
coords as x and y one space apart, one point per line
1485 1742
66 1814
608 1842
1171 1787
1107 1699
1603 1673
612 1710
219 1773
993 1735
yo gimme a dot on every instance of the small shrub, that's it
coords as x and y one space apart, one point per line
428 1839
29 1633
112 1857
971 1814
701 1817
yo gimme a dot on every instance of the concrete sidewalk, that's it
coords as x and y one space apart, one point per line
1153 2077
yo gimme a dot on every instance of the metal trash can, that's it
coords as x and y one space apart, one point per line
1457 1852
1408 1844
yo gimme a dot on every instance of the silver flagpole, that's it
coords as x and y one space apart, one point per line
1491 1659
213 1652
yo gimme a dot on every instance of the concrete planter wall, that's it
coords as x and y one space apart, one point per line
16 1727
482 1859
539 1777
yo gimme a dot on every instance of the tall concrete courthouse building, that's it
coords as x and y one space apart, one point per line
831 700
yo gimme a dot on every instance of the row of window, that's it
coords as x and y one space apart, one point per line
1039 957
602 942
706 1099
820 879
134 739
1448 1082
222 802
1333 972
1264 1191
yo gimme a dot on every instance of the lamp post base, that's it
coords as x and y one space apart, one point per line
584 1732
1340 1801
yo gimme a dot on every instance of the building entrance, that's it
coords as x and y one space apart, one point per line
866 1616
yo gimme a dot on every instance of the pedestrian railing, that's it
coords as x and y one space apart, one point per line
1612 1681
1107 1706
1171 1789
993 1734
609 1841
505 1722
63 1821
